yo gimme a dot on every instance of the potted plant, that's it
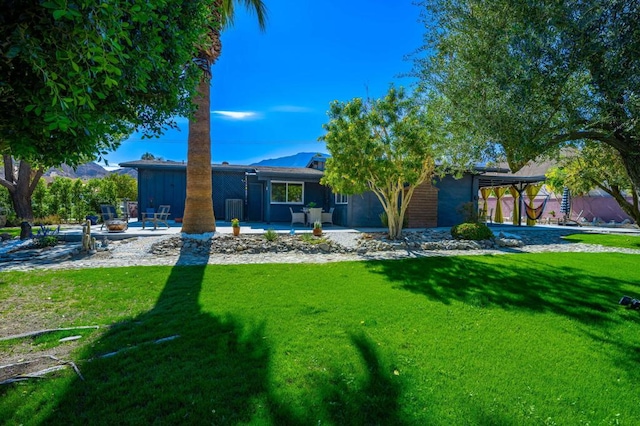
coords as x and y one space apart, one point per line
311 205
235 225
317 228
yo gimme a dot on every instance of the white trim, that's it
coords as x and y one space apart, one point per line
287 183
344 199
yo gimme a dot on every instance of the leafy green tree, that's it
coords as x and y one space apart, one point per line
78 75
534 76
385 145
597 166
198 212
150 156
41 199
125 186
61 197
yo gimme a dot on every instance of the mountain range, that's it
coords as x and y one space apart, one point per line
300 159
94 170
86 171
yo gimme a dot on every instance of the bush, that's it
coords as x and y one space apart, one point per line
271 235
52 219
471 231
45 241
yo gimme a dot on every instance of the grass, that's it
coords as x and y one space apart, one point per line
608 240
526 339
13 231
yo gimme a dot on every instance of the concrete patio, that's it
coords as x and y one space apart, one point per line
73 233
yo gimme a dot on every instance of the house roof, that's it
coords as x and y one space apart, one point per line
262 172
489 176
303 173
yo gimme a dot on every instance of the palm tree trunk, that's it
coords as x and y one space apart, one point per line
198 213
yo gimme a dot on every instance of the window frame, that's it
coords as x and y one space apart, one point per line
341 198
287 183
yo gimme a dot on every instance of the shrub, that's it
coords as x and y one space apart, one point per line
52 219
45 241
46 237
310 239
471 231
271 235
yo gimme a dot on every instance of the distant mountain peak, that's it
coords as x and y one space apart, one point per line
85 171
300 159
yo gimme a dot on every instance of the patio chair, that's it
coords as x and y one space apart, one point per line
162 216
110 217
297 217
314 215
328 217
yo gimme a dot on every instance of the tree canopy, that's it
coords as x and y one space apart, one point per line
383 145
600 166
531 77
79 75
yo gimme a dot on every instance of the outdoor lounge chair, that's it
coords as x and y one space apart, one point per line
297 217
110 217
162 216
328 217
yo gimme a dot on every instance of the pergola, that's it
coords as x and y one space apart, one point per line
518 183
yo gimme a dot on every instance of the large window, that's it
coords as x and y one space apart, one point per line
287 192
341 199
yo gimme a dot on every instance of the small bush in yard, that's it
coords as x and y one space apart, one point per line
471 231
271 235
46 241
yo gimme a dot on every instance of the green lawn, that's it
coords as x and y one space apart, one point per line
503 340
608 240
13 231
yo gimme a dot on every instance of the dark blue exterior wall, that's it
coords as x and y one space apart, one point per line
156 187
227 185
364 210
168 186
452 196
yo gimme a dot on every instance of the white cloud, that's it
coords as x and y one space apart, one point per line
237 115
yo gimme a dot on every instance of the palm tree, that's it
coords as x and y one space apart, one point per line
198 213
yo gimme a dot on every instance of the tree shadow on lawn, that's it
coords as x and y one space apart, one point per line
174 364
526 285
374 400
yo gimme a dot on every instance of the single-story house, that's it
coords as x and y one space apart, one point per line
265 194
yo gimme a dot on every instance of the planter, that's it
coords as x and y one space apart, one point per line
236 230
117 226
317 232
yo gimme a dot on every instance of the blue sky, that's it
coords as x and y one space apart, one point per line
271 90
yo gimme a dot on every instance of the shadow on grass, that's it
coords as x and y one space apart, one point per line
520 282
174 364
374 400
